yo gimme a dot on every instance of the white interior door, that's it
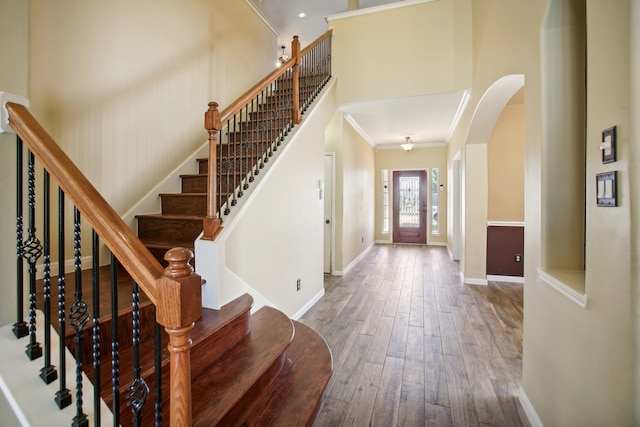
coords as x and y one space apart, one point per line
329 161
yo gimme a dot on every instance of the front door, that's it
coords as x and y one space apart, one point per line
409 207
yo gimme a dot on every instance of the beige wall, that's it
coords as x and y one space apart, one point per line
414 50
279 238
354 195
358 180
505 156
634 181
419 158
14 39
578 362
505 43
121 84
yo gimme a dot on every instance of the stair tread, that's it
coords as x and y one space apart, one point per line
232 376
171 216
211 322
182 194
295 397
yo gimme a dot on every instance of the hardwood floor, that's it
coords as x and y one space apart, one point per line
413 346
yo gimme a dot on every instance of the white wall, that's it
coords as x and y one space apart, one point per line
578 363
124 85
14 41
415 50
278 236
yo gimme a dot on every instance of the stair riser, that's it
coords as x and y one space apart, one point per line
199 184
169 229
214 348
241 413
179 204
277 121
256 137
125 332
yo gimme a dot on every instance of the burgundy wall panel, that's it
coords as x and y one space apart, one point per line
503 244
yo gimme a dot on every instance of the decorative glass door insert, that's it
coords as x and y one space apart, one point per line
409 206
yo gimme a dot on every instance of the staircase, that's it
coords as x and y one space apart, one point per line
244 151
202 366
246 369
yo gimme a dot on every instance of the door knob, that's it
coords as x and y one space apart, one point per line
328 221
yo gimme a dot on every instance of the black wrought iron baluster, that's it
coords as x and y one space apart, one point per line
115 343
303 81
138 390
31 251
63 395
264 130
273 120
20 328
157 336
95 331
288 102
281 120
219 173
261 113
237 158
318 60
48 372
251 124
78 318
273 100
245 162
226 166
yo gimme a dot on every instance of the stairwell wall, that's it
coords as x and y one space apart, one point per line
13 79
123 87
354 192
277 237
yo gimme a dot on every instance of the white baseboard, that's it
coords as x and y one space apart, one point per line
474 281
510 279
308 305
354 262
529 409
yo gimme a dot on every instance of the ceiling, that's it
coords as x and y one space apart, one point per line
428 119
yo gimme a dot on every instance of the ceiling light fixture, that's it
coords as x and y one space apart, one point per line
408 144
302 15
283 58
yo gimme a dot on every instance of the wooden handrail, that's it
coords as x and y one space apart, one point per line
319 40
213 120
120 239
175 291
232 109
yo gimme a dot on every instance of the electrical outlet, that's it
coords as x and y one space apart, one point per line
518 258
298 285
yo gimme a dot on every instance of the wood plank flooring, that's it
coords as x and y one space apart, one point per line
413 346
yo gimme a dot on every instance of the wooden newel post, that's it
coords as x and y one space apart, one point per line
295 53
179 305
212 124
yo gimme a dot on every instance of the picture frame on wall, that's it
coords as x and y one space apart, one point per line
608 145
606 189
